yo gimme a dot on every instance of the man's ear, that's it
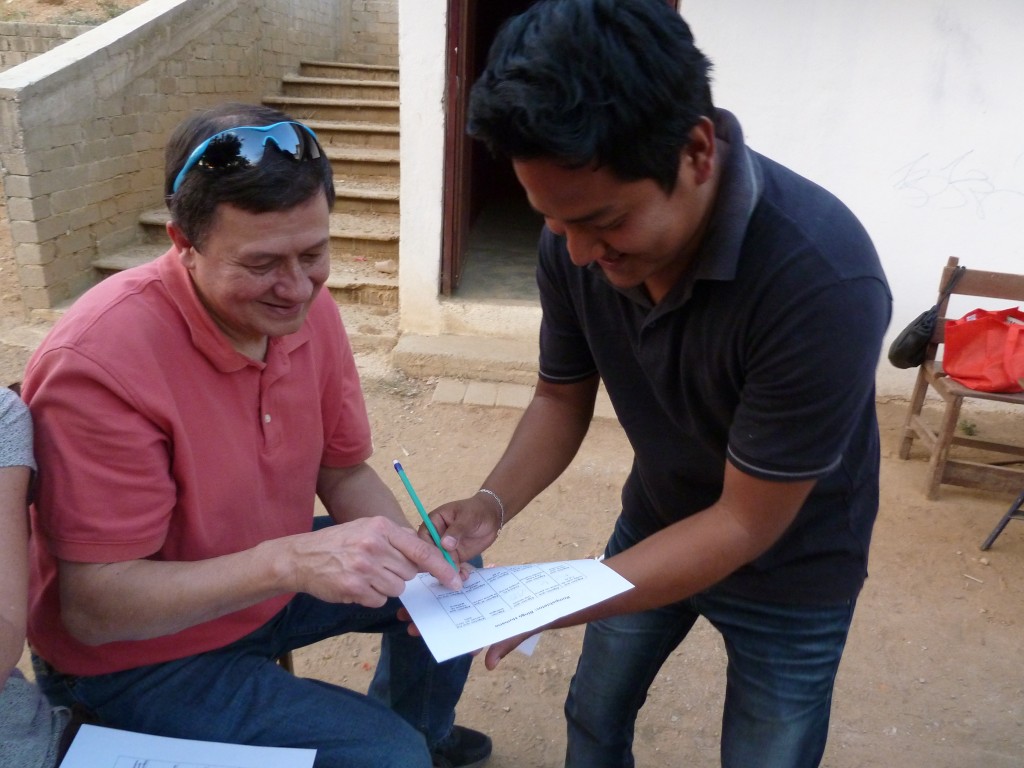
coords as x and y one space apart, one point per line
181 242
700 151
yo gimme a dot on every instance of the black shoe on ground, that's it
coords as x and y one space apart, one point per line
463 748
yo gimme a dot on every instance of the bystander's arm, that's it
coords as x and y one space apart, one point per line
14 560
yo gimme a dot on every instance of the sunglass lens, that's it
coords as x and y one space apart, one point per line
239 149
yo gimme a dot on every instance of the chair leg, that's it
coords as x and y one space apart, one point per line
943 440
916 404
1014 511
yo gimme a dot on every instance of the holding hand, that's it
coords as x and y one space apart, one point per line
468 526
365 561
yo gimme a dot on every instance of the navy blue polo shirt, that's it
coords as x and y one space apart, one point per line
763 356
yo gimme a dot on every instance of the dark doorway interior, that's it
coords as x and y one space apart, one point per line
491 230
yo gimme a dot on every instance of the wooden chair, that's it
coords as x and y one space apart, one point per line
1004 473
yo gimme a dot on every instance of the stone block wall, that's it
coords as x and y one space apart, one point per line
83 126
20 41
371 33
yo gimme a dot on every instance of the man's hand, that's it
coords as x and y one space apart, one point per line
467 527
366 561
501 649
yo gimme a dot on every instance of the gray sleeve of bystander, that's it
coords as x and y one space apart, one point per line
15 431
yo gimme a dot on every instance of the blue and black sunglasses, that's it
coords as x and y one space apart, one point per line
243 147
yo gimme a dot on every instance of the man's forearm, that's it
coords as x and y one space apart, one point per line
350 493
544 443
143 599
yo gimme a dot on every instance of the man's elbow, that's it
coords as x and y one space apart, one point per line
86 627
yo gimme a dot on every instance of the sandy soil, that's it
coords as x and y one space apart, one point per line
931 677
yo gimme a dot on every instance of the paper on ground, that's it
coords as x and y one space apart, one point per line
497 603
98 747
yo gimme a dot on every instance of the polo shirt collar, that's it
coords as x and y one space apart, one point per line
206 336
738 194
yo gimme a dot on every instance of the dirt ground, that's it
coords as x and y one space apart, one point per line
931 677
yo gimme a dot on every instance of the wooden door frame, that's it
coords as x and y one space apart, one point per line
455 220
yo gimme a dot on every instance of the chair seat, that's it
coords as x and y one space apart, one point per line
956 389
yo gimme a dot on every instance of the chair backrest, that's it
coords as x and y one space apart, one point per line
973 282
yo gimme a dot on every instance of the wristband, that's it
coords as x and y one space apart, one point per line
501 508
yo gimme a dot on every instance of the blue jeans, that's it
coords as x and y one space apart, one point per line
239 693
782 666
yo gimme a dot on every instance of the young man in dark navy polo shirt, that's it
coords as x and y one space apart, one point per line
735 313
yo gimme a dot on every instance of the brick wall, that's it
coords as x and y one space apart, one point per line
82 127
20 41
371 34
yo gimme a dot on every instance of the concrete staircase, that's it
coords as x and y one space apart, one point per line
353 108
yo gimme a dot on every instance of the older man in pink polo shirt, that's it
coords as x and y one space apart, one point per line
188 412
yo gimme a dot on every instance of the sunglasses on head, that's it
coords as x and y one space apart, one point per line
243 147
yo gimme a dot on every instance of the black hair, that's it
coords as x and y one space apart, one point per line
276 183
616 83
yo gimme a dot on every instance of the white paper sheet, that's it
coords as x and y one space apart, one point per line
497 603
97 747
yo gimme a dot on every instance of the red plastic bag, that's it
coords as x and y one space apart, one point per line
985 350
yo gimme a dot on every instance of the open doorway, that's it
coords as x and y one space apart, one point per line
490 240
490 232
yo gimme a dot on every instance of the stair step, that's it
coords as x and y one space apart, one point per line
347 162
370 327
126 258
379 227
369 155
347 70
358 281
344 134
367 193
344 110
331 88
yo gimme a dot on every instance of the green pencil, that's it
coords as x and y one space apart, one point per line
423 514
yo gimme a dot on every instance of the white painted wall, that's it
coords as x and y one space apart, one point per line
421 56
912 112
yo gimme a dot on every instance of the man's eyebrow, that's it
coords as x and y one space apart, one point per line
585 219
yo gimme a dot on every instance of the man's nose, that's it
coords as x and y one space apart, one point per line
583 246
294 282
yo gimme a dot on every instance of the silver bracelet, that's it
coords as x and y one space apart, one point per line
501 508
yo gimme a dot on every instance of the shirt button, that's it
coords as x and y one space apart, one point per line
266 418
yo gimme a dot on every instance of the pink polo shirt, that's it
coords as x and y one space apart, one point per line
156 439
